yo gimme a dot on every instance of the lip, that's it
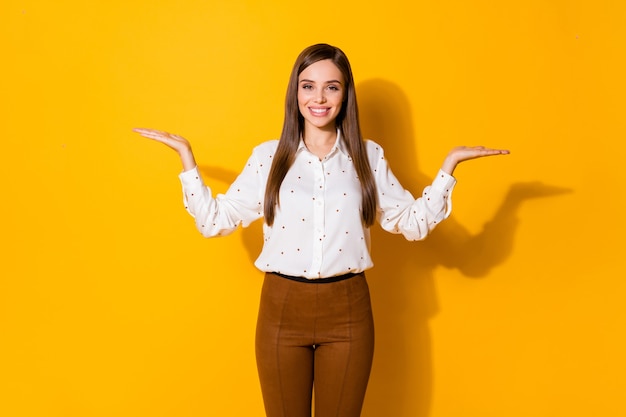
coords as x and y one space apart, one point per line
319 111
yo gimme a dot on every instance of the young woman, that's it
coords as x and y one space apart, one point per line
318 188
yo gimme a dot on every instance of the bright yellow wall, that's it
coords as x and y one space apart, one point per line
111 304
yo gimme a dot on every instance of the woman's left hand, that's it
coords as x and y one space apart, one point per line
465 153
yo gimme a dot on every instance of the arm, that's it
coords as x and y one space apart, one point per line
221 215
416 218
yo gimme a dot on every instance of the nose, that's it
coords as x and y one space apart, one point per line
320 97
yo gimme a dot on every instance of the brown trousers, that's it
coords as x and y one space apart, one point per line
322 332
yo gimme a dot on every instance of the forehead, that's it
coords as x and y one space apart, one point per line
321 71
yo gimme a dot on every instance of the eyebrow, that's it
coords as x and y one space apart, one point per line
326 82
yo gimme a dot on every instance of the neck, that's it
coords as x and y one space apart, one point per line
319 141
320 137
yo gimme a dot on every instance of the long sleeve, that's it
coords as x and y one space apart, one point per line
317 231
399 212
221 215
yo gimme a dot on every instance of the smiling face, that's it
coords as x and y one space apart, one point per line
320 95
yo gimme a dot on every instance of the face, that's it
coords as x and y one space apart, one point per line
320 94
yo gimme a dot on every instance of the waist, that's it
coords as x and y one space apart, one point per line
327 280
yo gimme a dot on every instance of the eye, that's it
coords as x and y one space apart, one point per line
333 88
307 87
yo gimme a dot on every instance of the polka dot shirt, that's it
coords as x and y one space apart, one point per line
317 230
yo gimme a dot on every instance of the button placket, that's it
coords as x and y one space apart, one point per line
318 214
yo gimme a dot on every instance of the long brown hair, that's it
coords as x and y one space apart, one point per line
347 121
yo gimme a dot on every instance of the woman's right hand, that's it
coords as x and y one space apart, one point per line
176 142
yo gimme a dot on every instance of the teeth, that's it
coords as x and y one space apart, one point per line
319 111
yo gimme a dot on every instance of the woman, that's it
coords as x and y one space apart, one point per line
319 189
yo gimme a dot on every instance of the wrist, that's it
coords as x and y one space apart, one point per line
187 159
449 164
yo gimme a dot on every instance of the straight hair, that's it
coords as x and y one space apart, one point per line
347 122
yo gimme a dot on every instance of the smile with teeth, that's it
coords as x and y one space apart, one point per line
319 111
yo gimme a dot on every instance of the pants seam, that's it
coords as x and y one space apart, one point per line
278 347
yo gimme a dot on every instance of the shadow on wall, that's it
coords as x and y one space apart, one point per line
402 283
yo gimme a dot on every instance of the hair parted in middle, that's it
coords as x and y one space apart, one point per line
347 122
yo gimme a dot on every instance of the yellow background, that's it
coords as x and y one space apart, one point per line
111 304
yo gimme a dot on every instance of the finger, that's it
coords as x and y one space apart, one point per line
146 132
153 134
496 152
490 150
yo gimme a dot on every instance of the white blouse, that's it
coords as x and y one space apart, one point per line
317 231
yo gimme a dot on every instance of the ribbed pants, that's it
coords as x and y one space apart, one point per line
314 337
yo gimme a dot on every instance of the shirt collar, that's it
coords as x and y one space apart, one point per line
339 144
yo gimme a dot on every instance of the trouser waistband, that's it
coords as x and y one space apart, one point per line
318 280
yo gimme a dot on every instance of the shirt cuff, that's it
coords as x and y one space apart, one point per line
191 178
444 182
